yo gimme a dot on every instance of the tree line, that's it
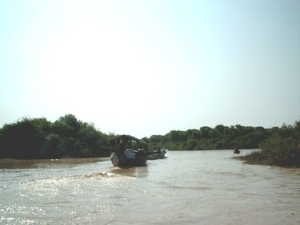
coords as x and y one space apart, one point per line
69 137
207 138
278 145
39 138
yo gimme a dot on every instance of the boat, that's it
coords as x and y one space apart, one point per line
127 151
236 151
157 154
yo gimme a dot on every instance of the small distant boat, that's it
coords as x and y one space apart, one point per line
128 151
158 154
236 151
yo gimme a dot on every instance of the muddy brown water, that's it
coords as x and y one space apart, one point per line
187 187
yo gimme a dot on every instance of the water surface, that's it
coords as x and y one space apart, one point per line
187 187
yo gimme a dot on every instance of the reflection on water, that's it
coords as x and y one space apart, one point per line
197 187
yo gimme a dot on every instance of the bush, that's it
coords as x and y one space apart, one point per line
281 151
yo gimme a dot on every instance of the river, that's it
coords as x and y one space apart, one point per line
187 187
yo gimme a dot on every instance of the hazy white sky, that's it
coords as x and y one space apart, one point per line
147 67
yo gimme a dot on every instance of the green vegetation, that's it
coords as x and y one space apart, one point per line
281 149
69 137
39 138
220 137
278 145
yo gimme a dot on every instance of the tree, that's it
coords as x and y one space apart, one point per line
22 139
205 132
174 135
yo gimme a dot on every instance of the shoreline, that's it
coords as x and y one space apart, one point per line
258 159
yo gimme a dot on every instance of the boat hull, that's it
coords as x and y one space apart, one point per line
156 155
126 162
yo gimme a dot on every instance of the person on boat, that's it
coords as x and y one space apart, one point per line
120 149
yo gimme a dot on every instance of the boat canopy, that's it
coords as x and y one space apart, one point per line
125 138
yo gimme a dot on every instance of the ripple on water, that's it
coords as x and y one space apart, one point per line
186 188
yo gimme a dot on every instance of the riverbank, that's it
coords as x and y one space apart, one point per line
254 158
260 158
